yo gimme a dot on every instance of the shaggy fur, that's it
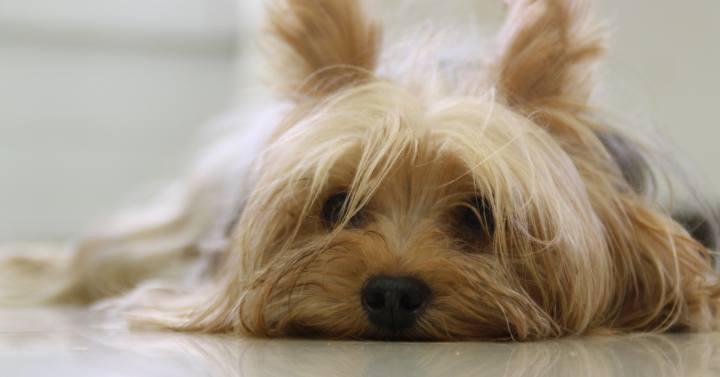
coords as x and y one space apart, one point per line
568 239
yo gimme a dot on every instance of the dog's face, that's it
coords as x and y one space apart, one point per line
382 217
382 213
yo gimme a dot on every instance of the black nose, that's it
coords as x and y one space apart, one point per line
394 303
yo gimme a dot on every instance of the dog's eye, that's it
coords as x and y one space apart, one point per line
475 218
332 211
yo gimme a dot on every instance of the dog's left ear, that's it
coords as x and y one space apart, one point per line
323 45
547 50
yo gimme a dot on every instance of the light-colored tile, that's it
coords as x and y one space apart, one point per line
71 342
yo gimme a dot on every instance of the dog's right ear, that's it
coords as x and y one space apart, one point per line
322 45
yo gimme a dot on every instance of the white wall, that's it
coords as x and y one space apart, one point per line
664 72
99 98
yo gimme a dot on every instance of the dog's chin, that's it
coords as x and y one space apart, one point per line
414 333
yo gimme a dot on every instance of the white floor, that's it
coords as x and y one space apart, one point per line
69 343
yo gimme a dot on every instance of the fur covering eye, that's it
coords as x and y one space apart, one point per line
334 209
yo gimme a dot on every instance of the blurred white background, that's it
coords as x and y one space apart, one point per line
101 98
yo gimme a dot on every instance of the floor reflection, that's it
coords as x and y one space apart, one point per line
220 356
651 356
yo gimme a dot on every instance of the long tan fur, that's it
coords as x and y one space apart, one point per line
576 247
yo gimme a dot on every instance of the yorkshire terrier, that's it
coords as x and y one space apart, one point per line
406 195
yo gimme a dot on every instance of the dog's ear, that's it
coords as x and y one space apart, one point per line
322 45
547 50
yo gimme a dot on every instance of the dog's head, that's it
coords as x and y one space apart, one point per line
487 210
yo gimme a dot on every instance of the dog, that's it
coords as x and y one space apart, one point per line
406 195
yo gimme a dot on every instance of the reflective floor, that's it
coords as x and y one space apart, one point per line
70 343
